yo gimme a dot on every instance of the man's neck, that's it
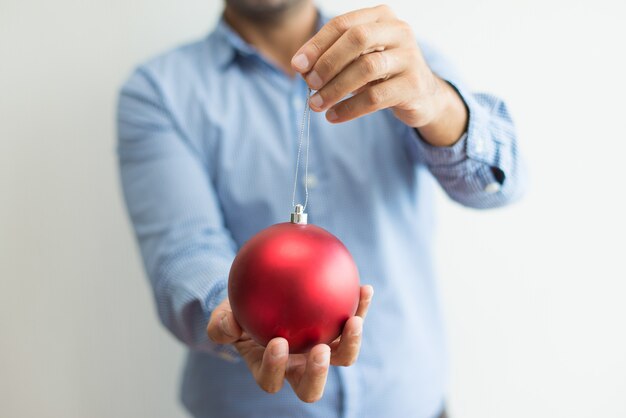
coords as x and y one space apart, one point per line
279 39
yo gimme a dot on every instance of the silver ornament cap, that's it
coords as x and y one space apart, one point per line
298 216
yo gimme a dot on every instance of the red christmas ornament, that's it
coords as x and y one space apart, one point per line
295 281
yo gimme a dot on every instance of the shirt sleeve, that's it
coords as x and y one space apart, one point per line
186 249
484 168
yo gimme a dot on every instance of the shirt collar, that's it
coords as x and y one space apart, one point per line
228 44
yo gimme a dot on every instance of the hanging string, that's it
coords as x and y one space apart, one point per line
306 123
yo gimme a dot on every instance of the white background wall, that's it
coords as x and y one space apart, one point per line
535 294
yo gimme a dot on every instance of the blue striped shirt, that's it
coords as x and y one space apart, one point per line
207 150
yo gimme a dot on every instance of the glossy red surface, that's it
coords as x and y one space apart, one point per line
293 281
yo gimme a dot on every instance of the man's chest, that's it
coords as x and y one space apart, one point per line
248 140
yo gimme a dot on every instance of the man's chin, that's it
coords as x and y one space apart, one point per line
264 10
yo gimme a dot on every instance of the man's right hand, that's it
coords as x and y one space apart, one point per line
270 365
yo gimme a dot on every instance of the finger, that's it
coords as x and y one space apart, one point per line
365 299
356 41
367 68
347 350
251 351
377 96
310 388
222 327
309 53
271 373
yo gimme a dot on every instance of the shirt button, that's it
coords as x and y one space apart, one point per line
311 181
492 188
479 146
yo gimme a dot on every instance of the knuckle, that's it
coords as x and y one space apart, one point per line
214 315
212 331
358 36
384 9
323 66
405 28
375 96
340 23
373 64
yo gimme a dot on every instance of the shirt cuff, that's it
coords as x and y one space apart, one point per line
477 153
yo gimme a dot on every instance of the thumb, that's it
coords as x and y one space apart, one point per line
222 327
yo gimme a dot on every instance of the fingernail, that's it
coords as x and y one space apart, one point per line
300 61
316 100
278 351
225 326
331 115
322 359
315 82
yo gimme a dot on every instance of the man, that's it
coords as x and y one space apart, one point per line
208 144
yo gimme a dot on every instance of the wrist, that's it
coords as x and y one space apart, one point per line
449 121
